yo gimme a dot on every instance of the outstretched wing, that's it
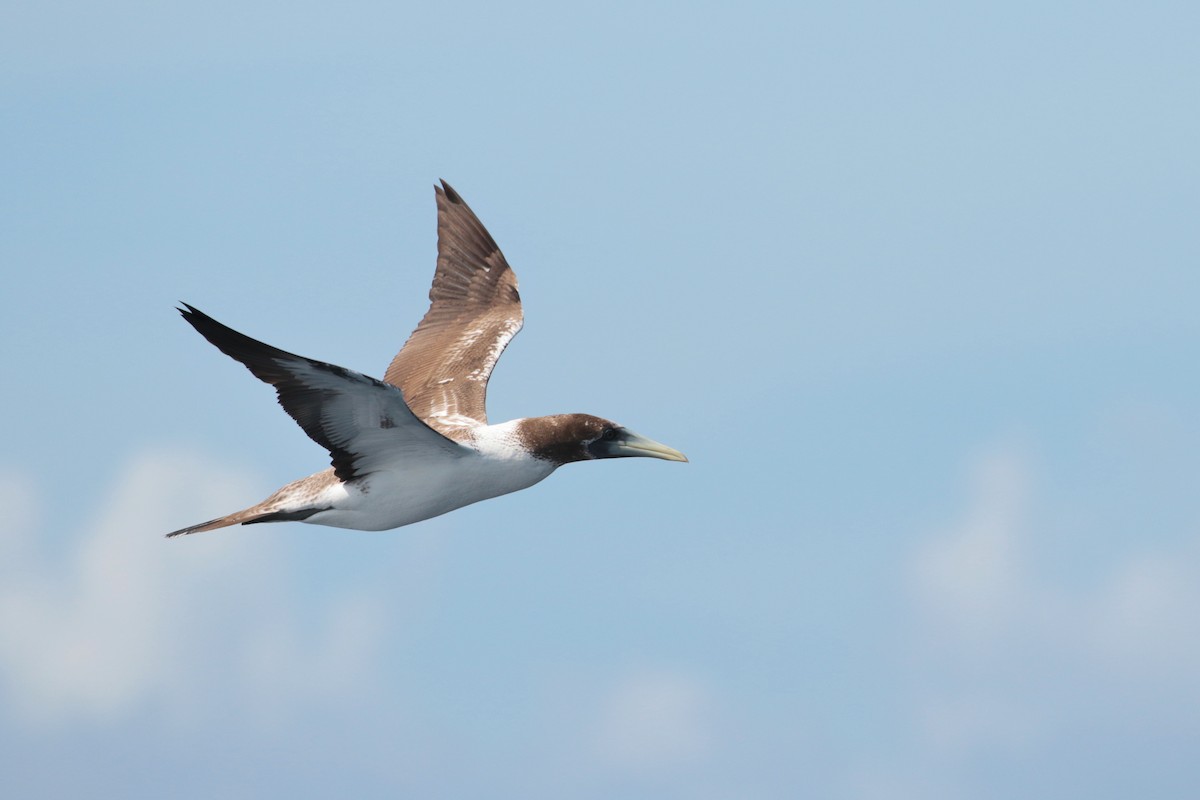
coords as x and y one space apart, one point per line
474 311
363 423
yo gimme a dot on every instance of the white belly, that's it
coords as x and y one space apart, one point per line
410 492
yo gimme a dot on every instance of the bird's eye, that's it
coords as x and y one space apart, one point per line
608 435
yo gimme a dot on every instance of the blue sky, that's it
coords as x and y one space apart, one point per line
914 287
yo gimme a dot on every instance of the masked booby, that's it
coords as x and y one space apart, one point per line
418 444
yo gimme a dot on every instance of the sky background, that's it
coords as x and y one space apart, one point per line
914 286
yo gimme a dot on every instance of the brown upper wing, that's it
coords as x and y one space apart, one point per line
475 310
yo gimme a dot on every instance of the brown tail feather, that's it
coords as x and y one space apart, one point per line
248 516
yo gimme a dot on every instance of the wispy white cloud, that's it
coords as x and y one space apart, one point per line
1011 659
653 720
123 619
979 581
1145 619
972 577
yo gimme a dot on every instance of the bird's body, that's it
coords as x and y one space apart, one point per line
409 491
418 444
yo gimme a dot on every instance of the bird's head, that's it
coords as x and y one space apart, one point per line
563 438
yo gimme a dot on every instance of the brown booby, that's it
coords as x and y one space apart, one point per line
418 444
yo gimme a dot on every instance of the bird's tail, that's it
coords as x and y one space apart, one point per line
249 516
295 502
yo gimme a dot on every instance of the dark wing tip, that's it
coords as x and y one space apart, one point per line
193 315
260 358
198 319
451 195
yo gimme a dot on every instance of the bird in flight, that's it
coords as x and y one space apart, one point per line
418 444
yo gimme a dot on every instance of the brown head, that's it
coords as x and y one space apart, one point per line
563 438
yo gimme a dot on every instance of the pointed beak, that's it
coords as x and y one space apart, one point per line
629 444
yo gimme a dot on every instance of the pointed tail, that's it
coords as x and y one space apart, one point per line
248 516
245 515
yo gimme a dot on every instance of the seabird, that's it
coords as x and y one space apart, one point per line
418 444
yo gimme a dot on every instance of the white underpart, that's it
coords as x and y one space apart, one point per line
409 491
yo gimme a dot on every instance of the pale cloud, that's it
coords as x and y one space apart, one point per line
978 581
1011 658
1146 619
973 576
122 619
655 719
330 662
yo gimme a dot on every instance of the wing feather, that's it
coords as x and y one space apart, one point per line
364 423
474 312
